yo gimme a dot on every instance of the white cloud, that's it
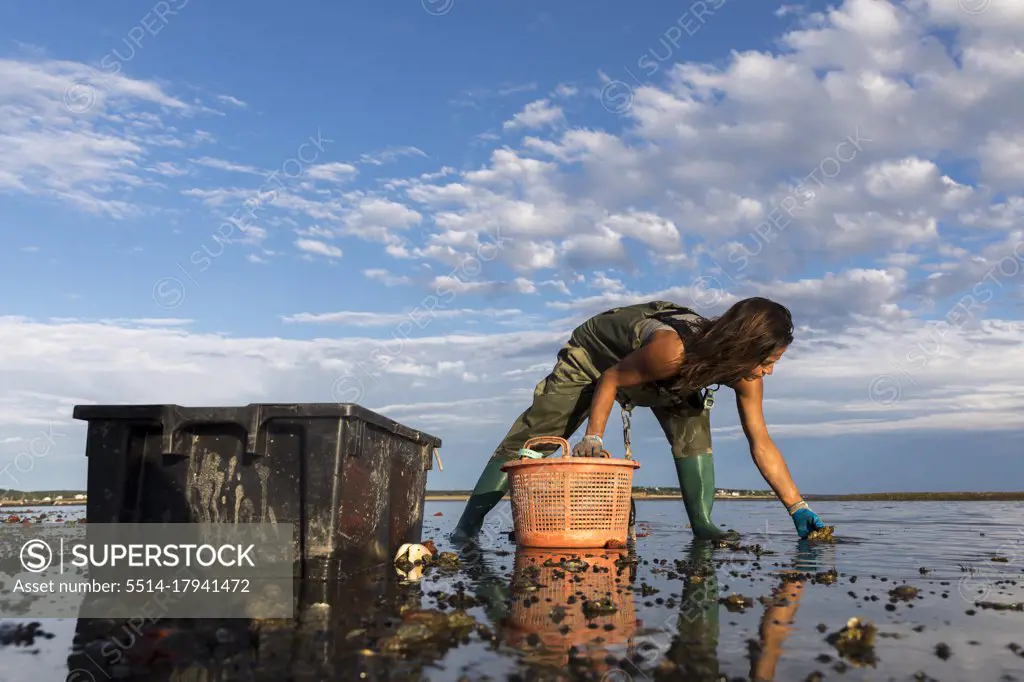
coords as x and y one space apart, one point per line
220 164
390 154
456 285
606 284
537 114
1002 159
234 101
375 218
648 228
385 277
419 315
335 171
66 135
318 248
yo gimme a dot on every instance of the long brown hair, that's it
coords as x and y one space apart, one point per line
728 348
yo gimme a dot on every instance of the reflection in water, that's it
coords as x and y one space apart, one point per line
341 632
779 616
687 645
684 646
781 607
570 604
562 614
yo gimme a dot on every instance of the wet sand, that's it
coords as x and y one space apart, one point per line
926 581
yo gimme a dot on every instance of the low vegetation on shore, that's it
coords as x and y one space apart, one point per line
662 492
17 498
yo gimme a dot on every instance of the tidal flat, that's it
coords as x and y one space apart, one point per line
904 591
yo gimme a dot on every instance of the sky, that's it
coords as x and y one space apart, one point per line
410 205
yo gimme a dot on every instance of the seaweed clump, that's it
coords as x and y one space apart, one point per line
856 642
599 607
822 534
736 603
428 631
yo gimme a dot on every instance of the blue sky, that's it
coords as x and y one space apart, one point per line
620 153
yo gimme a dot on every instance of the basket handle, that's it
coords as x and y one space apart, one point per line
551 440
556 440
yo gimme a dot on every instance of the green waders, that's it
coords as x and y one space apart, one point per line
561 403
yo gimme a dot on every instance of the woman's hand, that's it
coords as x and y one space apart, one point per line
806 521
590 446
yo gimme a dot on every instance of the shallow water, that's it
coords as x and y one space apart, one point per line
681 631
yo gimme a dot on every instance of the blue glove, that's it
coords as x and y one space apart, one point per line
805 521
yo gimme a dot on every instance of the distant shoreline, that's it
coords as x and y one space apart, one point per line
42 503
853 497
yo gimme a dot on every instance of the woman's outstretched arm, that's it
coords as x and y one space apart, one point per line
769 461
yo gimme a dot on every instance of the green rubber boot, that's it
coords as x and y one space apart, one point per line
490 488
697 483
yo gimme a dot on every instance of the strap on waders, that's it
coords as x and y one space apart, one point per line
626 407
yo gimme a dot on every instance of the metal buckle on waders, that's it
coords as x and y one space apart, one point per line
709 397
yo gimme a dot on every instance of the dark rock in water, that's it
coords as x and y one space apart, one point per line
21 634
943 651
903 593
1001 606
646 590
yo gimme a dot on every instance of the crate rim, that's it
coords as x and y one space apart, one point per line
160 411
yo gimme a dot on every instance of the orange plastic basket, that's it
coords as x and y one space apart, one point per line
570 502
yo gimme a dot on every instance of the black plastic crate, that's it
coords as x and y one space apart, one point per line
353 482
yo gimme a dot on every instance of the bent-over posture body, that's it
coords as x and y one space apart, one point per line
665 357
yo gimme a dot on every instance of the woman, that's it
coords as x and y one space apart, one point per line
666 357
